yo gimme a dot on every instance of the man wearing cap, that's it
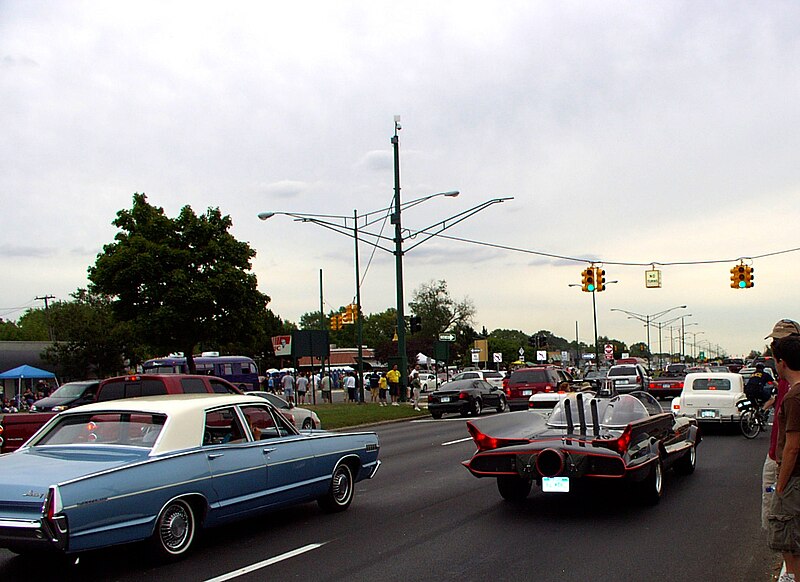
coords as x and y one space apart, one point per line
784 512
769 475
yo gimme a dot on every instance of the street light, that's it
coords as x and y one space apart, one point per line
694 343
339 224
646 319
594 317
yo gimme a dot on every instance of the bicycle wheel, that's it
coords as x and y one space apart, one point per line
750 425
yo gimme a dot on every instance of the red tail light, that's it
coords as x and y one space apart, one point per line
485 442
652 385
623 441
679 385
463 396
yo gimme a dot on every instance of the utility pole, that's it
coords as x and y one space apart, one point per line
47 315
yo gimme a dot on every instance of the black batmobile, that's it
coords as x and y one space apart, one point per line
622 437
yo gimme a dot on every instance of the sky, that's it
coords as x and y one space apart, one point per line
629 134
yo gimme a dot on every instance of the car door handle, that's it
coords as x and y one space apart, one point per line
268 451
214 455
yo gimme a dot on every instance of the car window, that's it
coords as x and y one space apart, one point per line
220 387
193 386
623 410
496 375
264 424
711 384
106 428
223 427
528 376
622 371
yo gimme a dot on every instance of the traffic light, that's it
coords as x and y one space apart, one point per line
600 278
347 316
336 322
588 280
416 323
738 277
355 312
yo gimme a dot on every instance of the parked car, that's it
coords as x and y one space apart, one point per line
467 396
711 397
67 396
491 376
588 439
302 418
629 377
427 381
162 468
525 382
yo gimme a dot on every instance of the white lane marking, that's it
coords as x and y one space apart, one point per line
265 563
458 441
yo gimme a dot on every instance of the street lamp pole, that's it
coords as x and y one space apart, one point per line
647 319
357 314
398 262
594 318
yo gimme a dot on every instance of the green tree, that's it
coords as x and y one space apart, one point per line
90 341
438 311
179 282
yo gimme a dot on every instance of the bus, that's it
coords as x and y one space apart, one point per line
240 371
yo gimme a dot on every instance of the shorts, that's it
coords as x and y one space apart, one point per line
769 476
783 533
288 393
394 389
382 392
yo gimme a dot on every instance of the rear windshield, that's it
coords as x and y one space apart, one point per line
711 384
528 377
622 371
131 389
487 375
137 429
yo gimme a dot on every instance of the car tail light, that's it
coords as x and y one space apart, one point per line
485 442
621 443
52 503
507 390
679 385
463 396
652 385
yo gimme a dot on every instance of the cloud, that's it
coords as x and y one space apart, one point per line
285 189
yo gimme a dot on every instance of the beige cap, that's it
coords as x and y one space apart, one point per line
783 328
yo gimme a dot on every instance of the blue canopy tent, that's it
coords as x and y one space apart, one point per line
22 373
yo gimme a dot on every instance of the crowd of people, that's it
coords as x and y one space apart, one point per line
383 388
23 402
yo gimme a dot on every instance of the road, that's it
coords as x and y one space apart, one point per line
424 517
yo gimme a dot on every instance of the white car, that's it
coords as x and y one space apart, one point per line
492 377
303 418
710 397
427 381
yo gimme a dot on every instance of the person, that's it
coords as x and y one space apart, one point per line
393 379
350 386
769 473
382 384
415 384
288 388
325 386
759 386
784 511
302 388
373 387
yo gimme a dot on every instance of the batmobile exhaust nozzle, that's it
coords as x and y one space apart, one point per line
581 412
550 463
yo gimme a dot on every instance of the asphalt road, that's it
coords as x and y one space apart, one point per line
424 517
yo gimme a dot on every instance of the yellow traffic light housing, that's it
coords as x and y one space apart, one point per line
336 322
354 309
600 278
347 316
749 276
739 276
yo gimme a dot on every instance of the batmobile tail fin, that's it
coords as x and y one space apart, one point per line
484 442
595 418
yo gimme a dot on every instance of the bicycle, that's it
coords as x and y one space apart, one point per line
753 418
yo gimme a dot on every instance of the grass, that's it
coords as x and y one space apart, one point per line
343 415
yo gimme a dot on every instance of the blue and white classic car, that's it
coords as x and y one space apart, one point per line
160 468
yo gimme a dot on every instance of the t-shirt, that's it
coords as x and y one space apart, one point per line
302 384
393 376
382 382
325 383
783 388
350 382
288 382
789 418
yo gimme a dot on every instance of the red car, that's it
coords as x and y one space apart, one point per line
525 382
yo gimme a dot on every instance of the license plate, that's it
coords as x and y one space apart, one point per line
667 385
622 381
445 399
527 392
555 484
709 413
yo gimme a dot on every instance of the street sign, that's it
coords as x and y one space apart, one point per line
447 337
608 351
652 278
476 356
497 357
541 355
521 352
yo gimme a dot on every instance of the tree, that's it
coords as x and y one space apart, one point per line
179 282
90 342
438 311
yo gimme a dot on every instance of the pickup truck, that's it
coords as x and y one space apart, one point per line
18 427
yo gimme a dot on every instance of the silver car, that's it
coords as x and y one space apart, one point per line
629 377
303 418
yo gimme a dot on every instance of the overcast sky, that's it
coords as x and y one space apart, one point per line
627 132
